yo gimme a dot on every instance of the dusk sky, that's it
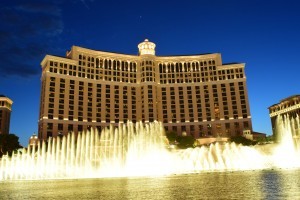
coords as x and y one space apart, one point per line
263 34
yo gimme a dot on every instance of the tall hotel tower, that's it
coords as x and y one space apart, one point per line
5 110
195 94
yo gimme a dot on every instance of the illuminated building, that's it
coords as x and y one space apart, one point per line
5 110
196 94
33 140
290 109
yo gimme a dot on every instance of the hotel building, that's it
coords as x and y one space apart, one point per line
288 108
196 94
5 110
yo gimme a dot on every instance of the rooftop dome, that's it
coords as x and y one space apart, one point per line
146 48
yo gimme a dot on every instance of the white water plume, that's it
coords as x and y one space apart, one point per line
135 150
287 153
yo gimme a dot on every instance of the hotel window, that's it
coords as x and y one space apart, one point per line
60 127
246 124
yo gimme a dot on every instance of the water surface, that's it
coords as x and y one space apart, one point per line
263 184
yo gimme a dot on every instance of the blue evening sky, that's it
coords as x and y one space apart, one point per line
263 34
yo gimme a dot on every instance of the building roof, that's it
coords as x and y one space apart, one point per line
231 63
106 51
290 97
285 99
258 133
200 54
5 98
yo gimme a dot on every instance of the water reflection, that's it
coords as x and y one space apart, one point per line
271 184
267 184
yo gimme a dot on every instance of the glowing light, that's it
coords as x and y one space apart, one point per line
140 150
146 48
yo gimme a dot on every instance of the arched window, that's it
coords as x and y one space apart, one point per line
114 65
160 68
172 67
185 67
123 66
177 67
134 67
105 64
164 68
180 67
97 62
168 67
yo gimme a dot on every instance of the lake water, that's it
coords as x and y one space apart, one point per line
260 184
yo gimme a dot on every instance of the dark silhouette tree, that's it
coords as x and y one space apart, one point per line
181 141
171 135
185 141
8 144
242 140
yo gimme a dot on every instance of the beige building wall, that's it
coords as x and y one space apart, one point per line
5 112
195 94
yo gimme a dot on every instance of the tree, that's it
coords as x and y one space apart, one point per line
8 144
242 140
185 141
180 141
270 138
171 135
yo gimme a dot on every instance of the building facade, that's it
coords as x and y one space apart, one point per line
33 140
196 94
5 112
287 110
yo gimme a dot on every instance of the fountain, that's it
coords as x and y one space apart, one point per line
138 150
287 153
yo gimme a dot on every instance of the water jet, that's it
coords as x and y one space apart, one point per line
139 150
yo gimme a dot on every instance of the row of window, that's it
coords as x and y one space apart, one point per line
187 66
106 63
5 104
191 108
121 71
195 102
201 130
82 93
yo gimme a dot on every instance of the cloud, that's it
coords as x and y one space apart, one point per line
85 3
39 7
27 32
23 70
